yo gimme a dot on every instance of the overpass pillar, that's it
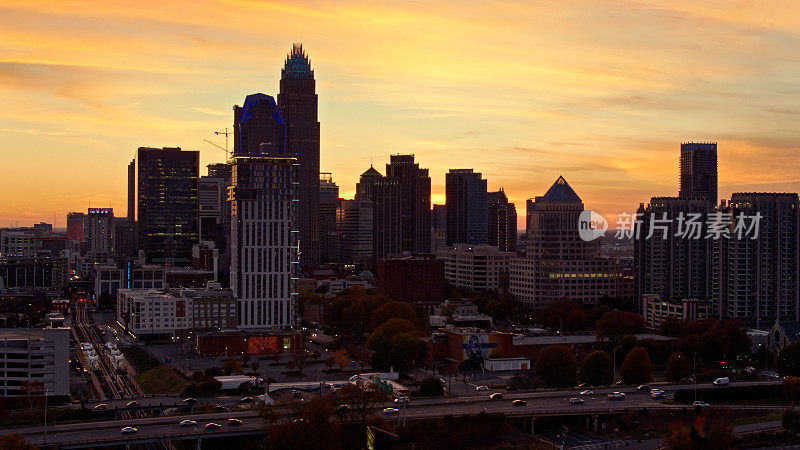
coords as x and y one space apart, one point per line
595 422
533 426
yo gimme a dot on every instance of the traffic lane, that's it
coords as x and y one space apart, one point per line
145 431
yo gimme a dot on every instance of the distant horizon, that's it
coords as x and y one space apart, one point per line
600 92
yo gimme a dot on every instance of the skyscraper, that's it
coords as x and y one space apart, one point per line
758 275
466 207
98 234
365 183
699 171
438 227
167 204
354 225
257 129
502 222
132 191
297 102
212 194
263 224
386 216
415 203
328 203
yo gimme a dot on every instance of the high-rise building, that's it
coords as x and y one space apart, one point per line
124 238
502 222
558 264
386 203
699 171
132 191
297 102
264 250
476 267
222 171
17 242
212 198
75 226
328 203
758 272
354 225
674 260
466 207
98 234
167 207
365 183
438 227
415 203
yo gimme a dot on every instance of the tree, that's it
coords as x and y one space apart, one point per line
329 362
637 367
300 359
400 351
557 366
341 357
361 401
671 326
564 314
788 362
431 387
791 389
616 324
315 428
15 441
254 366
391 310
231 366
677 367
596 369
202 385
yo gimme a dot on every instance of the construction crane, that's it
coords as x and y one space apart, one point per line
225 133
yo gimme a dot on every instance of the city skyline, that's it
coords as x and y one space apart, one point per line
522 94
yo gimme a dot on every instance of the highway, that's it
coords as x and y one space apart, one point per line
548 403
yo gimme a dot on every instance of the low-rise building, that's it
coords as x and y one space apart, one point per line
254 343
476 267
411 279
783 333
657 311
108 278
34 361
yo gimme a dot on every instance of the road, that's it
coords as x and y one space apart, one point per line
547 403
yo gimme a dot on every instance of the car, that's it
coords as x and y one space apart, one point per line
343 407
616 396
399 400
699 404
587 392
511 388
724 381
644 387
212 426
519 402
390 411
481 388
187 423
618 383
581 386
246 400
100 407
189 400
299 421
656 391
132 404
658 395
576 401
128 430
689 379
496 396
234 422
218 408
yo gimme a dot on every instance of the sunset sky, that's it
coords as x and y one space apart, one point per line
601 92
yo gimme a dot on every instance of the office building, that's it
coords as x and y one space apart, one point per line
558 264
17 242
167 207
212 196
418 279
132 192
98 234
40 273
656 311
501 222
476 267
297 102
75 227
438 227
34 358
386 216
328 204
365 183
125 243
415 203
466 207
109 278
698 167
675 262
354 225
757 273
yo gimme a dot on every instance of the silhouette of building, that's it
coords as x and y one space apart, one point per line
501 222
328 204
415 203
412 279
98 234
132 191
438 227
297 102
354 232
167 206
466 207
698 166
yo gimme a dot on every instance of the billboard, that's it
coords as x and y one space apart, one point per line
262 345
478 347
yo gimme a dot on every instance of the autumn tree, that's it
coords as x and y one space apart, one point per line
395 345
361 401
637 367
671 326
565 314
677 367
596 369
788 362
231 366
341 357
616 324
15 441
394 310
557 366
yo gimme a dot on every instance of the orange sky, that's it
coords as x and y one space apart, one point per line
602 92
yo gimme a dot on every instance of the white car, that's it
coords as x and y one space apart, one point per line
187 423
587 392
399 400
700 404
481 388
390 410
576 401
128 430
724 381
616 396
656 391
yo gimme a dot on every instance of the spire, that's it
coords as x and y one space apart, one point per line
561 191
297 64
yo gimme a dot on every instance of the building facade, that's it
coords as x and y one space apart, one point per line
698 166
501 222
466 207
34 358
98 234
656 311
411 279
415 203
328 205
354 237
476 267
